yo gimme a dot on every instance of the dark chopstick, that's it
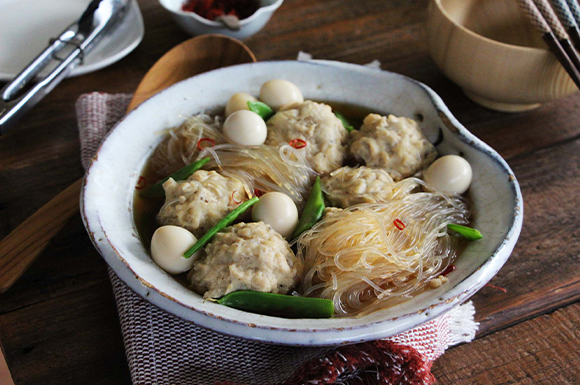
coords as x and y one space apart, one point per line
575 10
564 12
539 22
549 15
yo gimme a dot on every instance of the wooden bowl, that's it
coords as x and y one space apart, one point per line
489 49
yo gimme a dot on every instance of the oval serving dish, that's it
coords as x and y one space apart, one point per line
106 202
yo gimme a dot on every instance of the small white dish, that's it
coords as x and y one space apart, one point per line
194 24
27 26
107 211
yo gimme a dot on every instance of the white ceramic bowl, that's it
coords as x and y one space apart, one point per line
110 182
194 24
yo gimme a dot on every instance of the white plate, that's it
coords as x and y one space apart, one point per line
26 26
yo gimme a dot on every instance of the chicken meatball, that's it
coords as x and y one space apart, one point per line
246 256
330 211
349 186
314 123
395 144
201 201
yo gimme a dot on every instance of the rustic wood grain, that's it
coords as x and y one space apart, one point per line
544 350
22 246
44 347
538 276
70 263
192 57
58 324
5 376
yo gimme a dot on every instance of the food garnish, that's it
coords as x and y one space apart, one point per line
156 191
226 221
448 270
203 140
234 199
313 210
141 183
399 224
261 109
466 232
344 121
278 305
298 143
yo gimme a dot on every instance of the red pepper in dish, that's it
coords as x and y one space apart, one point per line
212 9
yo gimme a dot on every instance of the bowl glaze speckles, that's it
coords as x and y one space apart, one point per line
110 182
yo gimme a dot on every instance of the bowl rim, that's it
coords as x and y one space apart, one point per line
267 8
487 39
328 335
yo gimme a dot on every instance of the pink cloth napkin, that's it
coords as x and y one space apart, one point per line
163 349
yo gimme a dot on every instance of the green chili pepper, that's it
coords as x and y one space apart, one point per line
228 219
344 121
279 305
157 191
261 109
313 210
466 232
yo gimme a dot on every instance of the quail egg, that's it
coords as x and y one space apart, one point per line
277 210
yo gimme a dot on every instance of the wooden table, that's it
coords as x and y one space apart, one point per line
58 324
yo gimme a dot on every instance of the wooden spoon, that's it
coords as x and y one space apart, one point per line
194 56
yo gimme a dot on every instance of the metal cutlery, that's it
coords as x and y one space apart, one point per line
62 54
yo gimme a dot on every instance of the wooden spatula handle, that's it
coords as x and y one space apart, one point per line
21 247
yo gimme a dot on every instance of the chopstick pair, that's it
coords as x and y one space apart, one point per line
543 17
568 12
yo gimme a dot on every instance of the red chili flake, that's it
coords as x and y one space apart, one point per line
212 9
258 192
448 270
141 183
399 224
233 199
202 140
298 143
496 287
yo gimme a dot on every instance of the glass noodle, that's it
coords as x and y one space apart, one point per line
372 256
364 258
263 168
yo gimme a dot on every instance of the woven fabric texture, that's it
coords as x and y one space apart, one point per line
97 113
163 349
